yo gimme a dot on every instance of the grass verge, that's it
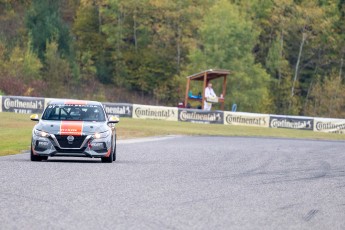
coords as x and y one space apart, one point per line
15 131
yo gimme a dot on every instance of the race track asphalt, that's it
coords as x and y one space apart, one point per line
181 183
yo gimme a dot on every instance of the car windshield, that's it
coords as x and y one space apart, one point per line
74 113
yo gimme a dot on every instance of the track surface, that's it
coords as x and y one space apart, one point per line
181 183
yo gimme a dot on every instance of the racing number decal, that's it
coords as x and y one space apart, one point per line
74 128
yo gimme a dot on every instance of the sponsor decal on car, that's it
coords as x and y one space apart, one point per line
74 128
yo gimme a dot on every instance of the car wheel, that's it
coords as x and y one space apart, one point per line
114 157
109 159
35 157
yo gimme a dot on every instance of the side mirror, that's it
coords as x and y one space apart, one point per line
113 120
34 117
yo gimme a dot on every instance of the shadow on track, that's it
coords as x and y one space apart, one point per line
72 161
61 161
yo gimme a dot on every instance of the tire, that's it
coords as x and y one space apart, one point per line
112 156
37 158
109 159
114 151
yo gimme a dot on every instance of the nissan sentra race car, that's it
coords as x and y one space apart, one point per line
74 128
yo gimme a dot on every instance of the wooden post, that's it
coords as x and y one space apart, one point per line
224 92
203 90
187 91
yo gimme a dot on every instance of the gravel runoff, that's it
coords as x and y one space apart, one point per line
181 183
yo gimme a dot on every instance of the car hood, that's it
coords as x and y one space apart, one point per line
72 127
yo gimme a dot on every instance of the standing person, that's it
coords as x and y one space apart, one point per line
208 93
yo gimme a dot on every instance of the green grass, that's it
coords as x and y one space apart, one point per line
15 131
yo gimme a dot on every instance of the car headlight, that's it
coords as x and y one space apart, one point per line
41 133
101 135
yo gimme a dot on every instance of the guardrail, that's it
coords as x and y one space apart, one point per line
29 105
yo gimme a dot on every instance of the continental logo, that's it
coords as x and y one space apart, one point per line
16 103
118 110
158 113
291 123
330 126
209 117
255 121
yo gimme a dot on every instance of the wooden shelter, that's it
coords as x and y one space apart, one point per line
207 76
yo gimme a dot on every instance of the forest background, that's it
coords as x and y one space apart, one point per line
285 56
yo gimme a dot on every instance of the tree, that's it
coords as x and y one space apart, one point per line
327 97
44 24
226 42
57 72
21 71
149 41
90 42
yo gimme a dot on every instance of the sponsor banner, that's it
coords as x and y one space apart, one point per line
246 119
329 125
200 116
118 109
22 104
155 112
290 122
0 103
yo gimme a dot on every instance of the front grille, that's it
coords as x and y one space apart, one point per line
70 150
76 143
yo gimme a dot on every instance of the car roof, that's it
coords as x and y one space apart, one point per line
72 102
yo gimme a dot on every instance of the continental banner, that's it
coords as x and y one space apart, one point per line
200 116
246 119
155 112
118 109
329 125
290 122
22 104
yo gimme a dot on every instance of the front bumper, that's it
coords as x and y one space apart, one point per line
89 147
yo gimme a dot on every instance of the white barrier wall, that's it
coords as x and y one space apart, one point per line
18 104
155 112
246 119
329 125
